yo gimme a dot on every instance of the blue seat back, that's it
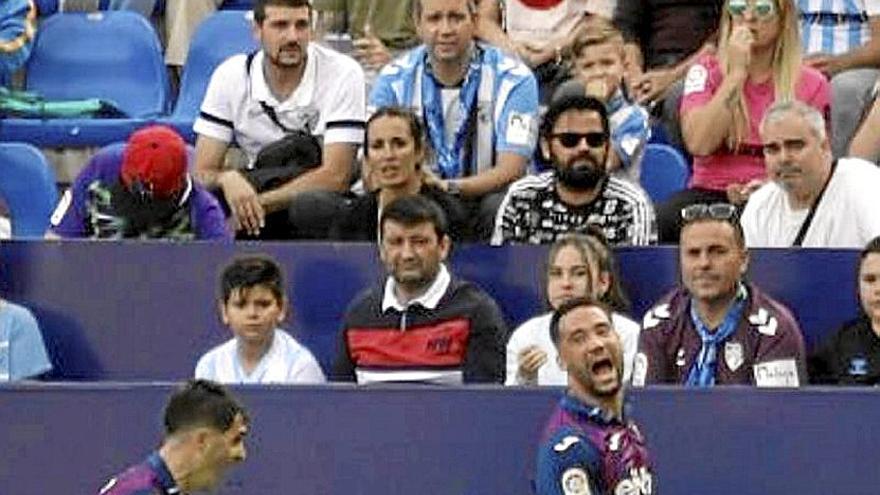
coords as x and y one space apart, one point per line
664 171
237 5
113 55
27 185
221 35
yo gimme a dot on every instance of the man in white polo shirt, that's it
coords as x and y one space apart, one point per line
289 85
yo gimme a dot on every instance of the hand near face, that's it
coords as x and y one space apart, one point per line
534 55
740 50
530 361
652 85
371 52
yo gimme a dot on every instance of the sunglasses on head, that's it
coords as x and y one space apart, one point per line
762 9
572 139
715 211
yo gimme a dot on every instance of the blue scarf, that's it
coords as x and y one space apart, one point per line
702 372
449 157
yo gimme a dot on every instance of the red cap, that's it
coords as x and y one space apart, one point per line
155 156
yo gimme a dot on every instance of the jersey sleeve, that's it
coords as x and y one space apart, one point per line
700 85
382 95
781 357
567 465
651 361
517 124
28 356
307 369
505 219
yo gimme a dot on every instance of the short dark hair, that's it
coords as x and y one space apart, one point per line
738 235
416 129
260 7
201 403
567 102
417 8
872 247
245 272
413 210
568 307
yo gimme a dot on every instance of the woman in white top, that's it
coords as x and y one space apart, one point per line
577 265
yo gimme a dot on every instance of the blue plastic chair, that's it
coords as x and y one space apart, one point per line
27 185
221 35
664 171
237 5
112 55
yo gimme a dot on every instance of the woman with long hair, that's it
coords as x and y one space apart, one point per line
577 265
725 96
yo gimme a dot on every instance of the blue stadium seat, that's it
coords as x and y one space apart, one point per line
238 5
664 171
112 55
27 185
223 34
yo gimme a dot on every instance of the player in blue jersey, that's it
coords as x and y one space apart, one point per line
205 428
588 447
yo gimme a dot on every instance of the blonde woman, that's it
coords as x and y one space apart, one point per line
577 266
725 96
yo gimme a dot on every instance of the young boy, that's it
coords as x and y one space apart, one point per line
599 72
252 304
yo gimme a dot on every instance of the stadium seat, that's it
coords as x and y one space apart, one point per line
223 34
27 185
664 171
112 55
237 5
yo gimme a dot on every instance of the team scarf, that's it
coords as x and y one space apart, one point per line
702 372
449 157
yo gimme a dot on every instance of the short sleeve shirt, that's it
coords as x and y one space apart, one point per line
330 102
723 167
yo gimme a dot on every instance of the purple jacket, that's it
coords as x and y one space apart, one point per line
84 211
766 349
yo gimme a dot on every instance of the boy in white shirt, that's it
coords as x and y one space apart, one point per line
252 304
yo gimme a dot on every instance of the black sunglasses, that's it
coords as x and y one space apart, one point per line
571 139
715 211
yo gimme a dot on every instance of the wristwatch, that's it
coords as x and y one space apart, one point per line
453 188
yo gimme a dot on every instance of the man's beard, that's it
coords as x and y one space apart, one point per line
582 175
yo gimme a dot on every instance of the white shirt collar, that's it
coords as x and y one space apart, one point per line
303 93
430 299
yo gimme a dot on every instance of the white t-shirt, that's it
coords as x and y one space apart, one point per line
330 102
848 215
537 332
286 361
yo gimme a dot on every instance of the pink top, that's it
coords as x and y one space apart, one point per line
718 170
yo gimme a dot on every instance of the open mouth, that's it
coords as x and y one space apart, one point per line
602 367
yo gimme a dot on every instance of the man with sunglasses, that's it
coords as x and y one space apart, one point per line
578 192
813 200
718 329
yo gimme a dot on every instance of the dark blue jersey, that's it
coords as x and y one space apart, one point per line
150 477
586 452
